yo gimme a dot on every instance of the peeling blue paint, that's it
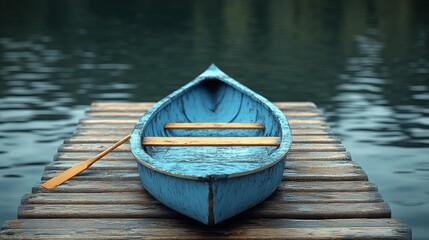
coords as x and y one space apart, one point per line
224 180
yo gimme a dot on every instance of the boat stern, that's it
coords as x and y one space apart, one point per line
232 196
187 196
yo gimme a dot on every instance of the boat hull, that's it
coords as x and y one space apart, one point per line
213 173
212 200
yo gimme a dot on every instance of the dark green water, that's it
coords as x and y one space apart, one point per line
365 63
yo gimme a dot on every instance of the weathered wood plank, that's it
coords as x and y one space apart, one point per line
383 228
293 165
268 233
112 156
104 138
128 156
130 165
264 210
320 182
98 147
189 224
77 186
290 174
143 197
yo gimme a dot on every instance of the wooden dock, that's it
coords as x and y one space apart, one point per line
323 195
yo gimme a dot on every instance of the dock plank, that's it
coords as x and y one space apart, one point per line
142 197
132 165
300 174
323 195
267 209
383 228
82 186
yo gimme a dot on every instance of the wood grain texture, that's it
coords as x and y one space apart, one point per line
130 165
142 197
383 228
296 171
289 174
79 167
157 210
306 207
78 186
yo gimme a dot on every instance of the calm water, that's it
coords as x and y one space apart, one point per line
365 63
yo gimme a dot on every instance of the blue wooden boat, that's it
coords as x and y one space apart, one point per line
212 149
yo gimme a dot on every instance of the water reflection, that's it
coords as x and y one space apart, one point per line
366 63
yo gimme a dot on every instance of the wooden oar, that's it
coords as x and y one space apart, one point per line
75 170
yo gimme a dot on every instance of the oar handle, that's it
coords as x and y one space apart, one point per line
75 170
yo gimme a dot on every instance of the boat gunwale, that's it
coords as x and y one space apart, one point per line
213 72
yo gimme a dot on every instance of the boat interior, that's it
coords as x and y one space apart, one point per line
212 124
